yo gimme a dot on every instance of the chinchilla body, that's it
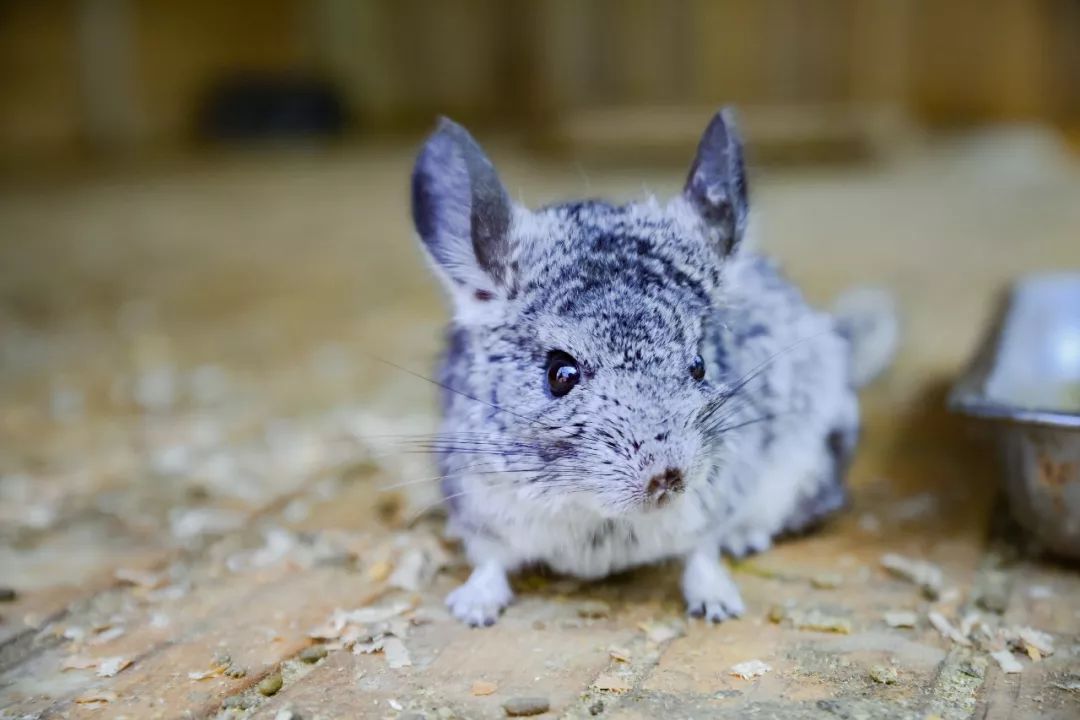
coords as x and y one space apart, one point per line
629 383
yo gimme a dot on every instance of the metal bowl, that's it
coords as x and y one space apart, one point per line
1025 381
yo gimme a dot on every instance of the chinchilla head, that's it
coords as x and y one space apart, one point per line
581 327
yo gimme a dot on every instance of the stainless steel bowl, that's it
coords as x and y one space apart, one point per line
1025 381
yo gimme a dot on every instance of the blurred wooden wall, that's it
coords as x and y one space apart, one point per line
129 74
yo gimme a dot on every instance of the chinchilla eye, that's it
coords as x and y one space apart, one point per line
697 368
562 372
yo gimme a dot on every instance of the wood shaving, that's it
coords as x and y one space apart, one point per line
95 697
819 621
1035 643
78 662
660 632
106 666
620 654
340 621
609 682
750 669
924 574
110 666
74 633
900 619
397 655
418 564
594 609
366 648
380 571
107 636
1007 662
827 581
481 688
1040 592
222 665
946 628
967 623
141 578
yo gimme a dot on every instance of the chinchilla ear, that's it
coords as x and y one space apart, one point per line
716 185
462 213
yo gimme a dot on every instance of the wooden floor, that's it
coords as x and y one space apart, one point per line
200 462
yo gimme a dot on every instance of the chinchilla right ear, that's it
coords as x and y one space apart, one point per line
462 214
716 184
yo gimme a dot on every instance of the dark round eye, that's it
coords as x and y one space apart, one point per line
697 368
562 373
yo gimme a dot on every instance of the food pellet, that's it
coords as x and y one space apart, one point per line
270 684
313 653
526 706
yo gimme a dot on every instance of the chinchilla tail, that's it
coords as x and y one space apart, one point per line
868 317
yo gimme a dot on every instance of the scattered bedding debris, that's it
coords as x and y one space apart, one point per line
884 674
750 669
827 581
610 682
620 654
1007 662
1035 643
193 523
660 632
869 523
594 609
141 578
1040 592
97 697
107 635
968 623
900 619
79 662
924 574
397 655
106 666
222 665
420 557
993 596
481 688
947 629
818 620
110 666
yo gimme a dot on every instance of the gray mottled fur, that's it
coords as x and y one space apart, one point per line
633 292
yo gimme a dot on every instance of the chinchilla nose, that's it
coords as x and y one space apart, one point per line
662 487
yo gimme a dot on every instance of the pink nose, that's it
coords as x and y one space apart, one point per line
662 487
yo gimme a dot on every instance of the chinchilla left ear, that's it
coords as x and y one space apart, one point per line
716 184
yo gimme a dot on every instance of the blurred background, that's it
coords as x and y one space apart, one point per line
103 78
204 231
